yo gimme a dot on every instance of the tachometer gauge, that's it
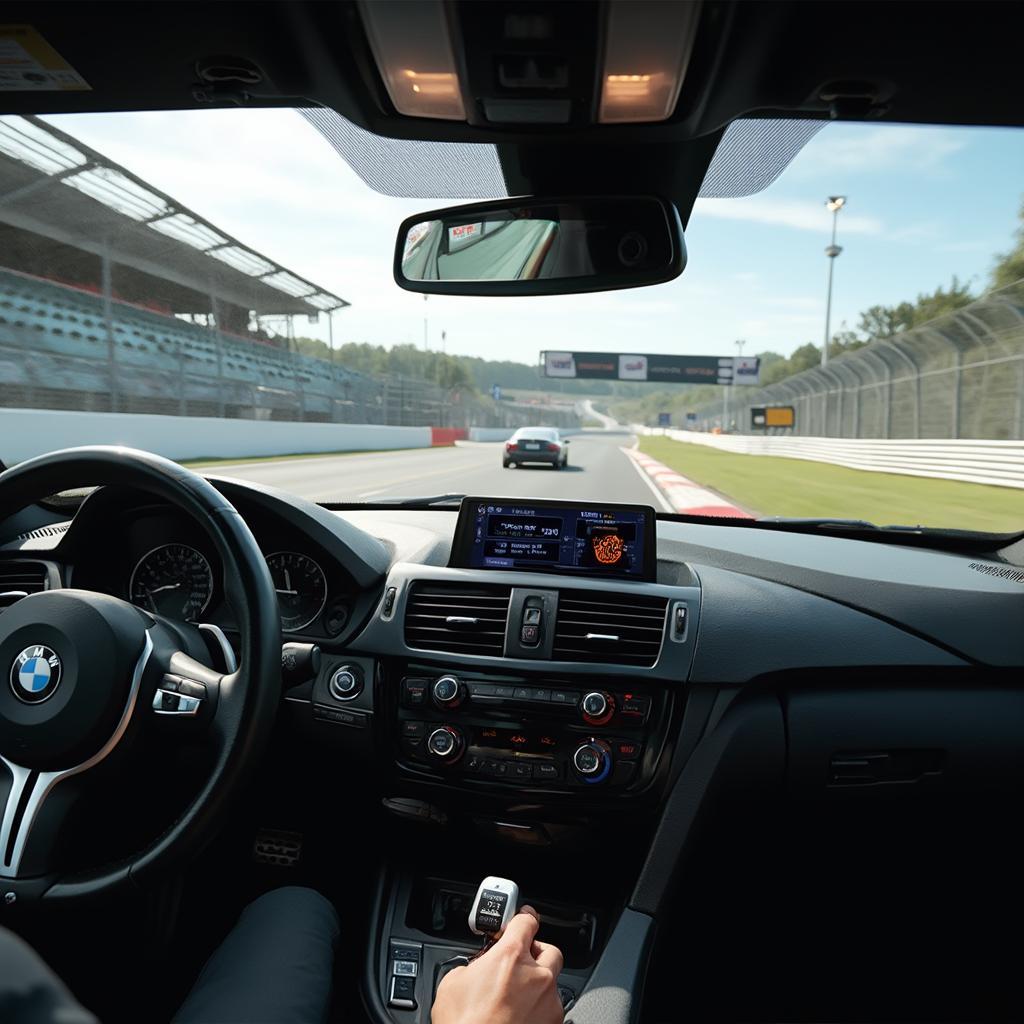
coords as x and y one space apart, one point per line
301 588
173 580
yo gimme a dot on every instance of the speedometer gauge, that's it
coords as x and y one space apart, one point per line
173 580
301 588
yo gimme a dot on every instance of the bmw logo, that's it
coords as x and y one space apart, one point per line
35 674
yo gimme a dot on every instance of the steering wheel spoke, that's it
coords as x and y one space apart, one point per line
83 673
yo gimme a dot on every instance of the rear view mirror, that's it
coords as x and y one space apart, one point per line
541 246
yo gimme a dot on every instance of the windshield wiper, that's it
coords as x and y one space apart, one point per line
861 528
451 499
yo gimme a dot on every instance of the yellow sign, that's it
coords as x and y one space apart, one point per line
779 416
29 64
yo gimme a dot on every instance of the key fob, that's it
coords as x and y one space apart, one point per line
496 903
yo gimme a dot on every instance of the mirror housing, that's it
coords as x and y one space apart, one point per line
541 246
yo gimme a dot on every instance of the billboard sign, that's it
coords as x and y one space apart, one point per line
632 367
653 368
664 419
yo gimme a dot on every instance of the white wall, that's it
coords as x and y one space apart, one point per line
491 433
998 463
25 433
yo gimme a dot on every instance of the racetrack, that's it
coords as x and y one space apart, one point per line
598 470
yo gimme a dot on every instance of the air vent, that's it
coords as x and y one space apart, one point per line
19 579
45 531
457 618
618 628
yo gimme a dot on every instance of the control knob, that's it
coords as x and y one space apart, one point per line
593 761
448 692
597 707
445 744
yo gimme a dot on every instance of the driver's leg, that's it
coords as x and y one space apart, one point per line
275 966
29 991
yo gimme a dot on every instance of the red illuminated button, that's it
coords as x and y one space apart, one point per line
627 750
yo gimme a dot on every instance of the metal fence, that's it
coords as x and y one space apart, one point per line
959 376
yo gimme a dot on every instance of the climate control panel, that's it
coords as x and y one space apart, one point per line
544 733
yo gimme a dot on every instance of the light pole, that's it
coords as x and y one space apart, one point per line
740 342
835 204
426 346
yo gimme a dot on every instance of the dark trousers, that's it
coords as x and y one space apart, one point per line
274 967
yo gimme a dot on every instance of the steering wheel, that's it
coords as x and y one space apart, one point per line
85 676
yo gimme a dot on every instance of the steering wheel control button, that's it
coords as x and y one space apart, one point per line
448 692
170 702
597 707
346 682
35 674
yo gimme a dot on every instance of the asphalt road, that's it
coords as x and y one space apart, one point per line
598 470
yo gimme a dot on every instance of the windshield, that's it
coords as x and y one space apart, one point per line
217 286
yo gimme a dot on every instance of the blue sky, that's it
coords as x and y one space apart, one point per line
924 204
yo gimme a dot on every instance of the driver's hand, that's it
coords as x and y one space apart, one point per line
514 982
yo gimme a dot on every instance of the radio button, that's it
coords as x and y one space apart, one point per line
522 771
504 691
547 770
542 695
482 690
567 697
522 693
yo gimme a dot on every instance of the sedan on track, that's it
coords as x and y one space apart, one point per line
536 444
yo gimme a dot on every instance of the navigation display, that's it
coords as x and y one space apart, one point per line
565 537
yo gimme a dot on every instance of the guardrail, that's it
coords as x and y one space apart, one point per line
998 463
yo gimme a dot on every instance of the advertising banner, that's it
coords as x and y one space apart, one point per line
654 368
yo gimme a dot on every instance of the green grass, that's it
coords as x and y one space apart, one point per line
767 485
200 463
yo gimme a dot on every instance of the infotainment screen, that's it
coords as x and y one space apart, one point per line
555 536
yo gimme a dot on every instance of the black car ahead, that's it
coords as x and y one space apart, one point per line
536 444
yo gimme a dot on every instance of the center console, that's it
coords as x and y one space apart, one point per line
516 732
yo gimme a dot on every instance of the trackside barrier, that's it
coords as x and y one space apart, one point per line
25 433
999 463
444 436
490 433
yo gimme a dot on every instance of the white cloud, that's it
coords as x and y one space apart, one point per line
883 148
801 215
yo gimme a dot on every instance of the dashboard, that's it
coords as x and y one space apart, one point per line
554 675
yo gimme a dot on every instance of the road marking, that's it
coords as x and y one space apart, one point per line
662 500
684 495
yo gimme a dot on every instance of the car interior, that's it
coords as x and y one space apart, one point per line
744 770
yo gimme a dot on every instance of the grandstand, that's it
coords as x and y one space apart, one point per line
115 297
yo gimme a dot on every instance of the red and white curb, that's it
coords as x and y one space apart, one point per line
682 494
